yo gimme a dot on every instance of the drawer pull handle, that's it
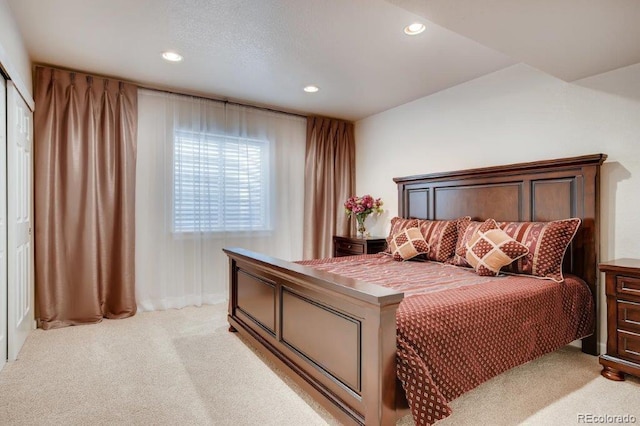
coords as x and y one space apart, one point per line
349 246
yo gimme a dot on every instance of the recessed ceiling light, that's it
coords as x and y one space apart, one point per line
172 56
413 29
311 89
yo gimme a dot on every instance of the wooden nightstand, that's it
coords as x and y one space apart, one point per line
349 246
623 318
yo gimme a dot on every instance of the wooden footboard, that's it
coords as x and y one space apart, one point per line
334 336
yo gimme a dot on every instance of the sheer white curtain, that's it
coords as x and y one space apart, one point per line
211 175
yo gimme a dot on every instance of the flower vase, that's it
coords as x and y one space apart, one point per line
361 228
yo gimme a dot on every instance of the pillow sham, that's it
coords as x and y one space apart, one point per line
547 243
407 244
465 230
399 224
490 248
441 235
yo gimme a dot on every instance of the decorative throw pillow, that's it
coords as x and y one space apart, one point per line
399 224
407 244
466 228
441 235
490 248
547 242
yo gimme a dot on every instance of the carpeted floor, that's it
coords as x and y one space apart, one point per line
183 367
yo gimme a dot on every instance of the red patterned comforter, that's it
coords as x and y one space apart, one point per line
456 329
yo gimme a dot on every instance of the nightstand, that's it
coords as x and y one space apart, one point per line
623 318
350 245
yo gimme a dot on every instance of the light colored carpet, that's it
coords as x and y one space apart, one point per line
184 367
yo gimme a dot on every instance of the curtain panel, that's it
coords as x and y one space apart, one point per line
329 181
212 175
85 166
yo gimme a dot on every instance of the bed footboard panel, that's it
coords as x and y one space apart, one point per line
327 338
334 336
256 301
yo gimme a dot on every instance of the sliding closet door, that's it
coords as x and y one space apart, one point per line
19 246
3 222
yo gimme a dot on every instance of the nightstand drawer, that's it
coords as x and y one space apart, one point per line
628 287
629 316
629 345
352 245
349 247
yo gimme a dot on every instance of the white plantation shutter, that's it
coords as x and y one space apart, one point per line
221 183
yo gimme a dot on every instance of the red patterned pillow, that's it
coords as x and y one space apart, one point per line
407 244
466 229
490 248
399 224
547 243
441 235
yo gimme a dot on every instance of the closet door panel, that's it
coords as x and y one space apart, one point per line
3 222
19 221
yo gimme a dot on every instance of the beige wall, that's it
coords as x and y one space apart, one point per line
13 54
514 115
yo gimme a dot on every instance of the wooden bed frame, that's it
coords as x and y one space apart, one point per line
336 337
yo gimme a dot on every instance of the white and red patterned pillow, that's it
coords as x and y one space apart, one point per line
441 235
490 248
466 228
408 244
547 242
398 224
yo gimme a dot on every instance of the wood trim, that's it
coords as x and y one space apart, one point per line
509 169
312 278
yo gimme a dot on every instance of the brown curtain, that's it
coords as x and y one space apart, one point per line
85 161
329 181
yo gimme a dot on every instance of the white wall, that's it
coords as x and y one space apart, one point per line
514 115
13 54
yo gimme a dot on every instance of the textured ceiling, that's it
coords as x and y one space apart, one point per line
259 51
264 51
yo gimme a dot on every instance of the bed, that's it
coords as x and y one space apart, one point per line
337 336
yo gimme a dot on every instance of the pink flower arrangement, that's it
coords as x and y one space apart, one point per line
363 206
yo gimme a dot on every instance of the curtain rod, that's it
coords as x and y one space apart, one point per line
149 87
171 92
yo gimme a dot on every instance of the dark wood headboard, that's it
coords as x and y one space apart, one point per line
536 191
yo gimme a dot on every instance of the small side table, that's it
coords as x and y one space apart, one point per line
623 318
352 245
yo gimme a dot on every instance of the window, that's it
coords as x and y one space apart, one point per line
220 183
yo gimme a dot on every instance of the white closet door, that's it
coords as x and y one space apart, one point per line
3 223
20 301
